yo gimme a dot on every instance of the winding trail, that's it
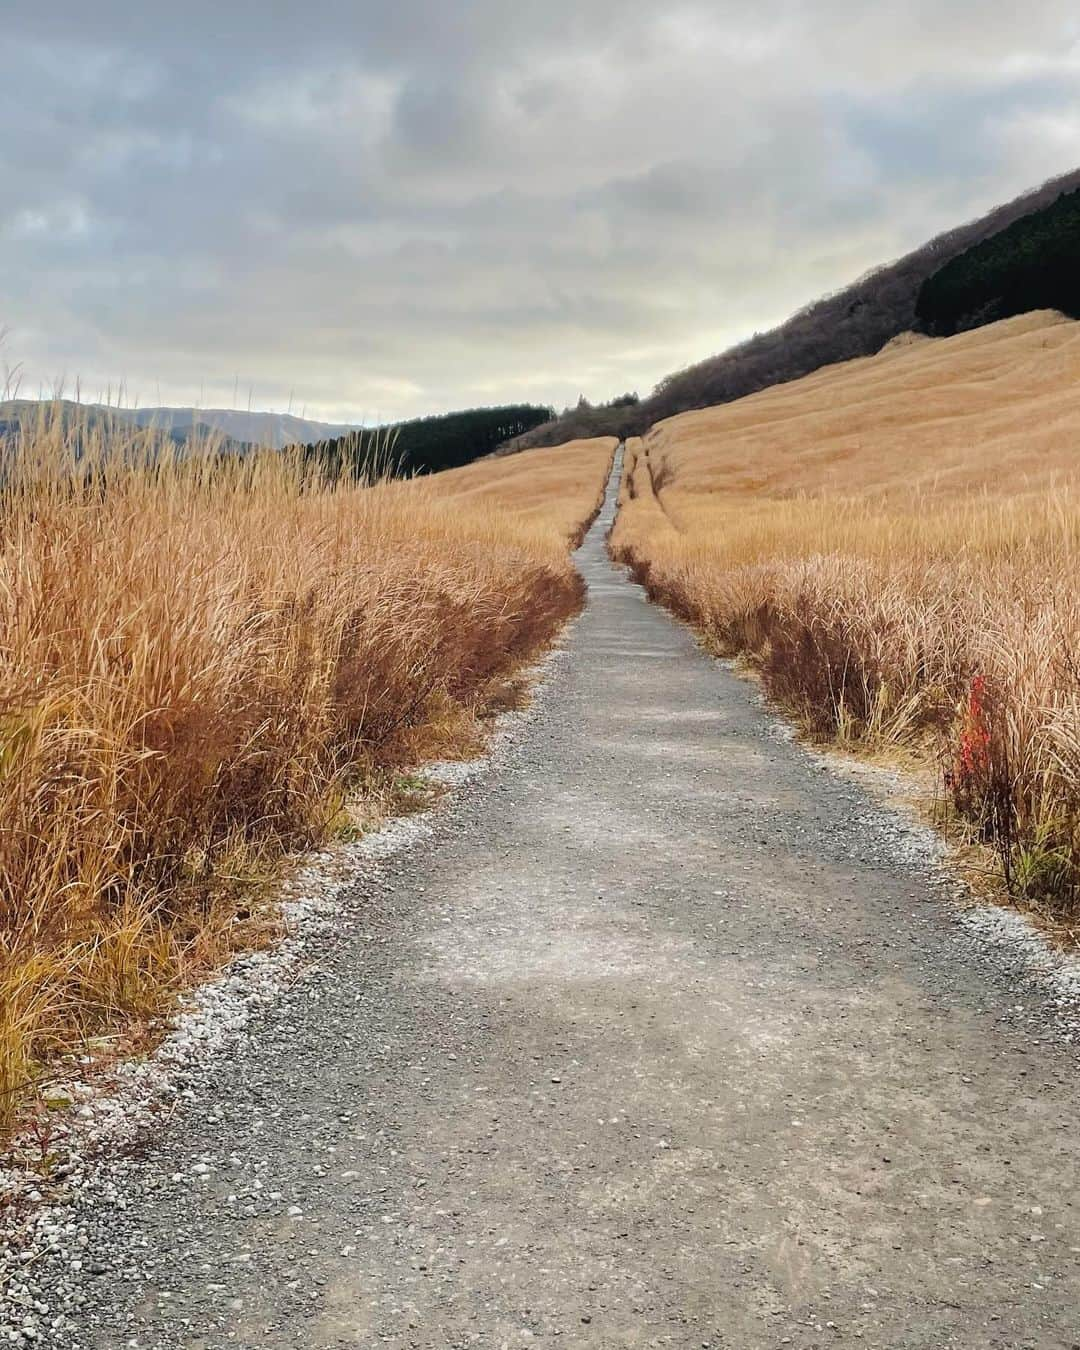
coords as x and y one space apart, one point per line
671 1038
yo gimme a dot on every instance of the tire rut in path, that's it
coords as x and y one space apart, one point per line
670 1039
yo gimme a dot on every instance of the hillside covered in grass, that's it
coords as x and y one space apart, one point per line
893 543
855 321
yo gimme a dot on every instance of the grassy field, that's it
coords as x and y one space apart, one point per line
894 543
208 666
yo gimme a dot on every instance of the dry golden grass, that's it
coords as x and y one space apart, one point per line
542 490
201 663
895 543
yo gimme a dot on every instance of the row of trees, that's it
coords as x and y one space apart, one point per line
429 444
620 417
1032 264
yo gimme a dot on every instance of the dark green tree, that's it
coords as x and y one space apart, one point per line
1032 264
429 444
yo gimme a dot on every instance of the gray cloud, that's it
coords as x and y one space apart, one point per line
393 209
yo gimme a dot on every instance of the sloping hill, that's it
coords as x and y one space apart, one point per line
894 542
993 410
856 321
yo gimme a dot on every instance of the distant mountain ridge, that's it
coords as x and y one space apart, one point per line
271 429
254 428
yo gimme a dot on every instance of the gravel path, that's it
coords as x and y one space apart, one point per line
668 1036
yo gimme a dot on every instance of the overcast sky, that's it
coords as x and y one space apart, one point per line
393 208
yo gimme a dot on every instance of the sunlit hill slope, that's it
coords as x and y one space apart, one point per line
895 543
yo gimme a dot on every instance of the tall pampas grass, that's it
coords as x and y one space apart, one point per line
202 657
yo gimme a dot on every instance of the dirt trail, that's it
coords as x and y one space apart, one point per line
669 1039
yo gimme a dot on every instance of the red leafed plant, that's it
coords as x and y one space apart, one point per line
973 751
979 777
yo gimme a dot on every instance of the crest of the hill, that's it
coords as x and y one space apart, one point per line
984 283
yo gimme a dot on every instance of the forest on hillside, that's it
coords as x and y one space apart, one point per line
1032 264
429 444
